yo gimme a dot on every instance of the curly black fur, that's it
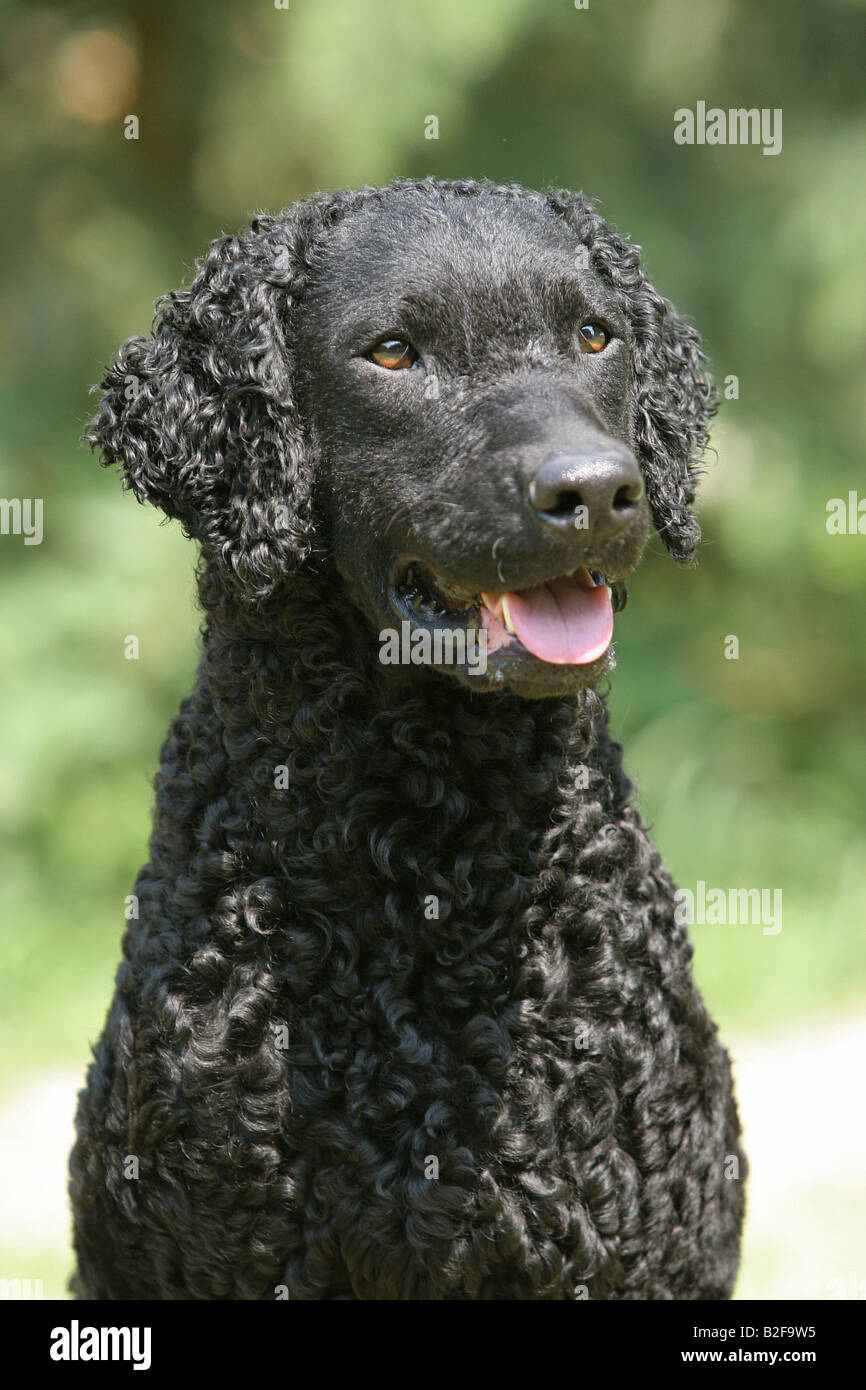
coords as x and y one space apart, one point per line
331 1091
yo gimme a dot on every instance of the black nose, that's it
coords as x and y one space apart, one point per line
597 492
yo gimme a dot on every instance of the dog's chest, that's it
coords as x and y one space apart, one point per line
456 1158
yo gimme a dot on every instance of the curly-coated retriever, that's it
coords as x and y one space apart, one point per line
405 1010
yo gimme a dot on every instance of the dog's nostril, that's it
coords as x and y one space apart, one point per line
562 504
627 497
554 492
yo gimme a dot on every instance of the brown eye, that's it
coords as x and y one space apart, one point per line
592 337
394 353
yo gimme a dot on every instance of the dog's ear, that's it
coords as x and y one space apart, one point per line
674 397
675 403
201 415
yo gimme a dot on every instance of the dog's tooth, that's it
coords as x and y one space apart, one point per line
506 616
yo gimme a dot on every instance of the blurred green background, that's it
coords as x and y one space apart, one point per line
751 770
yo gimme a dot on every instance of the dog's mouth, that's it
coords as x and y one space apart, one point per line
565 621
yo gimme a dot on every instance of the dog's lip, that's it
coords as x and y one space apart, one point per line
593 565
483 608
516 657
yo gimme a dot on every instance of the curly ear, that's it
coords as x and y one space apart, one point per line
674 397
201 416
675 403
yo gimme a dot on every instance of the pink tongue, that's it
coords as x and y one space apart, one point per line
562 622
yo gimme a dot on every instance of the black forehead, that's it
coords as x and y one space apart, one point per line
447 256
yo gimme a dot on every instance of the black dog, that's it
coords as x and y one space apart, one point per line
406 1010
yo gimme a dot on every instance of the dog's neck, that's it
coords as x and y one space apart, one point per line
399 771
397 817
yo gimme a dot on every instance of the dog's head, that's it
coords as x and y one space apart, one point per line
462 402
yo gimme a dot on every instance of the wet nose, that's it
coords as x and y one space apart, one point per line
597 492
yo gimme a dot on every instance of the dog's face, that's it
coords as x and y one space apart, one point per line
469 381
464 401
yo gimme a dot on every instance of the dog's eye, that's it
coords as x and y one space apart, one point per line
591 337
393 353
